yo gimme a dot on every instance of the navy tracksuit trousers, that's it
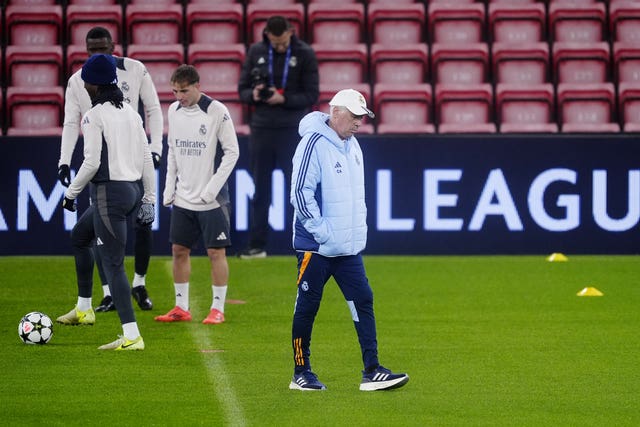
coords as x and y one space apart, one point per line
348 271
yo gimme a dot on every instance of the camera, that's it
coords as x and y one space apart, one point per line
258 77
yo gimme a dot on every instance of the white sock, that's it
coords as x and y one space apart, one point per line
138 280
84 304
182 295
130 331
105 290
219 297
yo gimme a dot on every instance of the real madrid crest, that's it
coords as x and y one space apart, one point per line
293 61
203 130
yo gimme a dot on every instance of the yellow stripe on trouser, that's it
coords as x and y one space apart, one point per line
297 344
305 261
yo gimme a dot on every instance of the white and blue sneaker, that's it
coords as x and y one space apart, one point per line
306 381
382 379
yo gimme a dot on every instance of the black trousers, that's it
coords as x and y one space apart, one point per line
269 149
115 201
82 242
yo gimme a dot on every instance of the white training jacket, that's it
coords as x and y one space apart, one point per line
115 149
327 191
135 83
196 176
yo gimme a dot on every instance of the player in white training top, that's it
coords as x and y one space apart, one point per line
117 161
203 150
136 85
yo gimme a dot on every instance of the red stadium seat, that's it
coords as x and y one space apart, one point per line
464 108
586 107
460 63
271 2
336 23
403 108
257 15
377 1
453 1
33 66
577 23
526 63
77 55
624 21
525 108
626 62
217 64
342 63
341 1
327 90
517 23
161 61
148 24
81 18
403 63
629 99
31 2
456 23
35 110
92 2
26 25
577 2
153 2
581 62
519 2
391 23
215 23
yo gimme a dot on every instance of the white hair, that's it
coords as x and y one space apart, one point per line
339 107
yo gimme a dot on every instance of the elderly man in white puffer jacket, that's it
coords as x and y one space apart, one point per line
329 232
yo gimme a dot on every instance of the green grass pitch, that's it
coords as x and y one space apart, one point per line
487 341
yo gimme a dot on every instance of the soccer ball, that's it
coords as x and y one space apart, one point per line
35 328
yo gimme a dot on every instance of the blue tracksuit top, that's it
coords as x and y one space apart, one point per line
327 191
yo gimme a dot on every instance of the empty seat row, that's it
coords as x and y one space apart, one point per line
220 67
40 110
319 22
348 64
479 63
48 66
569 108
410 109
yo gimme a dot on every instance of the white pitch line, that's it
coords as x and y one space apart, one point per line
218 378
216 372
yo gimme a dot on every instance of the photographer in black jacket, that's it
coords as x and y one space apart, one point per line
279 80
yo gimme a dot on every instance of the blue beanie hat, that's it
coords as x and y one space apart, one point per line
100 69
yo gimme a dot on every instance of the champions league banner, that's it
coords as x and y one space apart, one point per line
494 194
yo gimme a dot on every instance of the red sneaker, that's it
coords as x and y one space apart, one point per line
175 315
215 317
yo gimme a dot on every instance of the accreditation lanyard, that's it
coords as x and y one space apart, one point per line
285 72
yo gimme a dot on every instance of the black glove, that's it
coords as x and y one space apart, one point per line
69 204
156 160
146 214
64 175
